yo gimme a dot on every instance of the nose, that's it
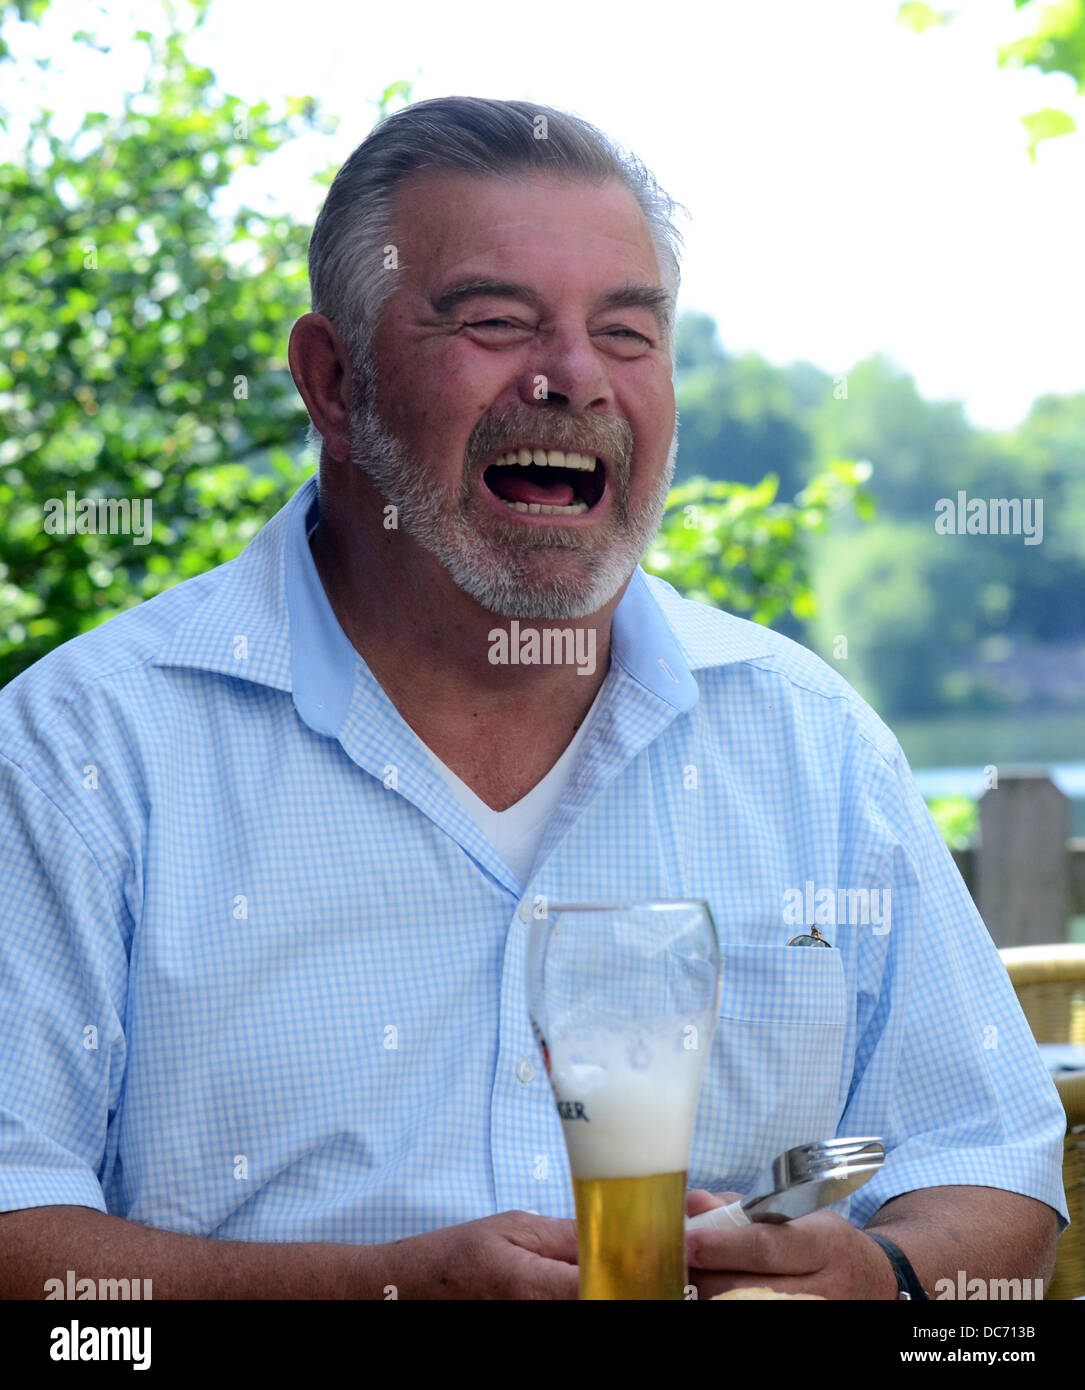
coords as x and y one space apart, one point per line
567 370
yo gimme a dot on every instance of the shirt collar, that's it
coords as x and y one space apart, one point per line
268 620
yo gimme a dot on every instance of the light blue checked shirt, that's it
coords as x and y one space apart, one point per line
261 977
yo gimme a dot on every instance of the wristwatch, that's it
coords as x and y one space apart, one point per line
907 1280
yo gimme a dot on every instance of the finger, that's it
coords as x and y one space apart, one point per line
792 1248
554 1279
551 1236
699 1199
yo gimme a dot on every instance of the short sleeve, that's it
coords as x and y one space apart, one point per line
946 1067
63 981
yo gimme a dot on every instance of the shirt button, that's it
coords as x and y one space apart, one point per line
525 1071
524 912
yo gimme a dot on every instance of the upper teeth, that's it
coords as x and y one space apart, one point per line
548 458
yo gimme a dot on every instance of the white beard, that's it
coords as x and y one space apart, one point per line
500 571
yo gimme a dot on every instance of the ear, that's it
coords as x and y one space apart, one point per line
321 367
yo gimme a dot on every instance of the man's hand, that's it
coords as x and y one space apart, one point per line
511 1255
821 1253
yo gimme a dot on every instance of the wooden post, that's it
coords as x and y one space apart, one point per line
1022 865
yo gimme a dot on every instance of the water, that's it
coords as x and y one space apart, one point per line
950 755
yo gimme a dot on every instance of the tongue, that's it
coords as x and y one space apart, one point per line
518 488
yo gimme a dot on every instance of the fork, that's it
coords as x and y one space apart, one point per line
801 1180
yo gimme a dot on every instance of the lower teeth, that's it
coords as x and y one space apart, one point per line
573 509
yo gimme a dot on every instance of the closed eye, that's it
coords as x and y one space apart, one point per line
507 323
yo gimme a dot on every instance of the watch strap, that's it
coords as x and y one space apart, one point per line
907 1280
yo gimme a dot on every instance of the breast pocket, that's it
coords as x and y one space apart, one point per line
774 1074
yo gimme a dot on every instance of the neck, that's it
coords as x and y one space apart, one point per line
438 653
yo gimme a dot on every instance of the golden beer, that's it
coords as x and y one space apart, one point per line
623 999
631 1236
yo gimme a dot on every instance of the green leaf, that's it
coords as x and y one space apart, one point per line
1056 45
919 18
396 91
1045 124
957 817
402 88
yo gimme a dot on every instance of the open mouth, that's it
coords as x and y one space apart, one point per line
550 482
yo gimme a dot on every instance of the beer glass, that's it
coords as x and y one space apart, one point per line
623 999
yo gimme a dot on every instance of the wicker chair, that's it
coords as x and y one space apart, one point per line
1050 985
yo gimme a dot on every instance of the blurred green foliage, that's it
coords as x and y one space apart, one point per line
1056 43
957 817
739 548
927 617
142 347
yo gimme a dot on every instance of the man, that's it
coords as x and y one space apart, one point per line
273 839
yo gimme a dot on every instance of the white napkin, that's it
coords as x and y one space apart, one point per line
729 1215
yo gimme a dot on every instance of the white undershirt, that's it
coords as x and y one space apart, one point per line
515 833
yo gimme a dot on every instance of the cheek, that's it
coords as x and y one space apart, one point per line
472 378
652 413
415 402
450 389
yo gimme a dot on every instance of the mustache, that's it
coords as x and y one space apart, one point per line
607 435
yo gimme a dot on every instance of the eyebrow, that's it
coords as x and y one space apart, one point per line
631 296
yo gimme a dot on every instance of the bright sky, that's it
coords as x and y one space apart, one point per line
853 187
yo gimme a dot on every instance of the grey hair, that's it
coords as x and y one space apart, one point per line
471 135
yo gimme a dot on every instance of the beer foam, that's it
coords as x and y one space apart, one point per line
629 1102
